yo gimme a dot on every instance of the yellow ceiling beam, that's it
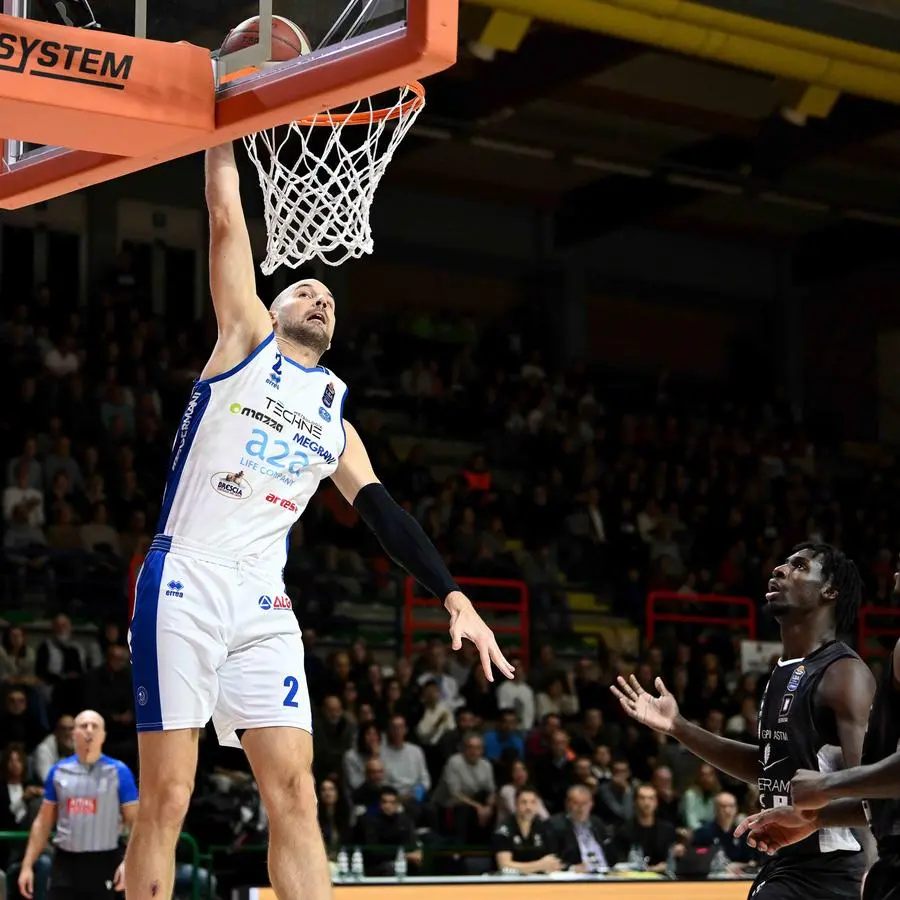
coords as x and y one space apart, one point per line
690 28
505 30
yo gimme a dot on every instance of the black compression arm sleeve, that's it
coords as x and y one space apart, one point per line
403 539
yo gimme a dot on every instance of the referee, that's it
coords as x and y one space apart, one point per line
85 796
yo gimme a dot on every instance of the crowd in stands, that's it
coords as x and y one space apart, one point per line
615 484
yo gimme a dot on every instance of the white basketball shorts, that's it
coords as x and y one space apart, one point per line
214 637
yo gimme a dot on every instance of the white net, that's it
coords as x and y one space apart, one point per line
318 198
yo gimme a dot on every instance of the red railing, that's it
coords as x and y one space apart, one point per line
414 605
748 620
865 630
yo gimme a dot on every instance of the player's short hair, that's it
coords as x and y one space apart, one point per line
841 573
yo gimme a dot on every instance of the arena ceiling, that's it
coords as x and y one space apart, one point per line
605 132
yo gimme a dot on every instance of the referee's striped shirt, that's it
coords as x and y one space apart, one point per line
89 799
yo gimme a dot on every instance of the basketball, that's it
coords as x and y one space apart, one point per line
288 39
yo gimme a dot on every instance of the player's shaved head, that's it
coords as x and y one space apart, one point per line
304 315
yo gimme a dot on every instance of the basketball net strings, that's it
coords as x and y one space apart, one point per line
319 206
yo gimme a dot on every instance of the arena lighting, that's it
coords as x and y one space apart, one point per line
704 184
797 202
615 168
515 149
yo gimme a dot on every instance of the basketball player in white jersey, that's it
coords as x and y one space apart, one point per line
213 635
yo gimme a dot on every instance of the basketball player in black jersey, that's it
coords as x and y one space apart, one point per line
813 716
814 796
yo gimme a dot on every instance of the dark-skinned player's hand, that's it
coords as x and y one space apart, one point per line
772 829
808 790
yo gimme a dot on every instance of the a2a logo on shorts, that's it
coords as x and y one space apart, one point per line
231 484
174 589
266 603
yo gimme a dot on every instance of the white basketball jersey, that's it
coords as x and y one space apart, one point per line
252 447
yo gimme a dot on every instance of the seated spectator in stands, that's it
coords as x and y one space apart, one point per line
581 838
17 659
109 634
368 746
334 818
434 665
383 832
743 726
56 746
518 695
558 697
64 534
26 548
395 700
467 787
480 695
61 360
60 459
28 457
437 718
651 834
583 773
98 536
591 691
505 739
20 495
554 773
452 741
720 831
18 723
368 794
537 744
698 802
20 797
404 764
333 735
506 796
601 764
60 665
668 802
524 842
615 798
593 733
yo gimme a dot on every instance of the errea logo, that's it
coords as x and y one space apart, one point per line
174 589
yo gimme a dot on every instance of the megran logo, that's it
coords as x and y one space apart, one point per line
93 66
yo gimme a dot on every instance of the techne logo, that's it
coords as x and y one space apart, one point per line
238 409
284 504
266 603
174 589
231 484
23 55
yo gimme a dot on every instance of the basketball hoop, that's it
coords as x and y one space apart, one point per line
319 205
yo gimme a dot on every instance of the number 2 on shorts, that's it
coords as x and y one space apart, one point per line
292 685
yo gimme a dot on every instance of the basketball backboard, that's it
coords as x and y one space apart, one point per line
359 48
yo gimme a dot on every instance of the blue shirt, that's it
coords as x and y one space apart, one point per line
89 801
494 745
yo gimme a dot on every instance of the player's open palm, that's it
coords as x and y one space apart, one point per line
658 713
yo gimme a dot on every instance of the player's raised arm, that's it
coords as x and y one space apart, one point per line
239 312
735 758
407 544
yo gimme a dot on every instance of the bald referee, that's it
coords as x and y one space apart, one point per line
86 796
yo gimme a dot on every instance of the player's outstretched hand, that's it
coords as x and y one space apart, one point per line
466 623
772 829
658 713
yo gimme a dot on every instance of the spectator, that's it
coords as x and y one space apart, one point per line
538 742
29 460
435 666
601 764
452 741
558 698
334 818
333 736
17 659
698 802
56 746
480 695
580 837
523 843
368 746
21 496
60 664
98 536
383 832
109 689
404 764
368 794
616 796
593 733
437 718
645 831
555 772
20 797
517 695
62 360
506 796
18 724
668 803
505 739
467 787
720 831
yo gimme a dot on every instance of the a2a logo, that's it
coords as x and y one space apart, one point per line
289 505
266 602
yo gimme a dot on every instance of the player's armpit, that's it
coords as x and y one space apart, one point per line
232 279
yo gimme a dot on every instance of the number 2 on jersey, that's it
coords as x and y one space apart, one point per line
293 685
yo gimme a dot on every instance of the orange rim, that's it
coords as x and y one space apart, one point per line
377 115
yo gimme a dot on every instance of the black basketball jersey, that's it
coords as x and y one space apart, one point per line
882 740
795 733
